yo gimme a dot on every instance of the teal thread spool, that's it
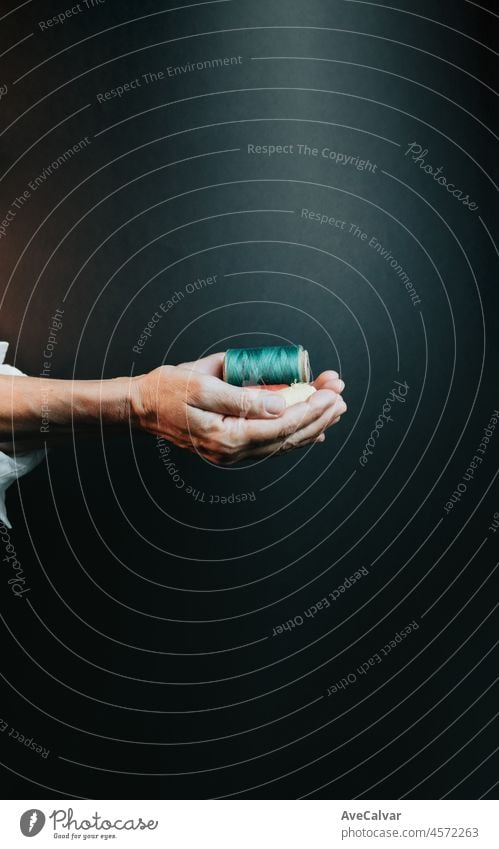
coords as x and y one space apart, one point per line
272 365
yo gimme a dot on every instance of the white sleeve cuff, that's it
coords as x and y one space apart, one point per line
13 467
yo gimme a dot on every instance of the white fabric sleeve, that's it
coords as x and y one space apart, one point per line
12 468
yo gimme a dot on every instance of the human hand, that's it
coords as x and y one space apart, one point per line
193 407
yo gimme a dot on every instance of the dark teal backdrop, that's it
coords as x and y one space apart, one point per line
177 178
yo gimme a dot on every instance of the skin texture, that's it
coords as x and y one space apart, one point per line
226 424
188 404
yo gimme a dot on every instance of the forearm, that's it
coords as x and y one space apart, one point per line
37 410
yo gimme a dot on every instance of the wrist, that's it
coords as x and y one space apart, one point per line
143 395
134 408
110 402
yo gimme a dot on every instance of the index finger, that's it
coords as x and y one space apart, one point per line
212 364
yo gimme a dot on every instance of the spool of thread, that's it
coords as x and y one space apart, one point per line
270 366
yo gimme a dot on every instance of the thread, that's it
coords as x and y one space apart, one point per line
281 364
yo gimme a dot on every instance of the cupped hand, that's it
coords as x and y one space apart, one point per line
193 407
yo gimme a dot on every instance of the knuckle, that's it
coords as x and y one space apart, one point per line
233 433
213 428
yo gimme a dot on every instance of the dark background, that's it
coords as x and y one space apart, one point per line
143 656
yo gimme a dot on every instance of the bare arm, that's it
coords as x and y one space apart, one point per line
34 411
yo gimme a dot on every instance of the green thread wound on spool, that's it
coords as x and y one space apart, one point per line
269 365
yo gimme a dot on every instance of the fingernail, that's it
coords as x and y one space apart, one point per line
274 405
341 385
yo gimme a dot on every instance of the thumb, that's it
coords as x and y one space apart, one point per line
219 397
